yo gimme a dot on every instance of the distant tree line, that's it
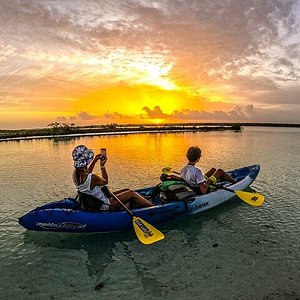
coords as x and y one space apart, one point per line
62 128
56 128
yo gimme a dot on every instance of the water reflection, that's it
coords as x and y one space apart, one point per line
97 247
108 253
209 254
57 140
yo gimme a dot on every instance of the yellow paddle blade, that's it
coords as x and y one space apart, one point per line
145 232
167 170
254 199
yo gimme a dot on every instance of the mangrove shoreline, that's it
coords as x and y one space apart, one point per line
65 130
57 130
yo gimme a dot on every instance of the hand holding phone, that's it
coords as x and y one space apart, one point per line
103 154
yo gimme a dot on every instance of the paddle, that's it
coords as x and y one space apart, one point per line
167 170
146 233
253 199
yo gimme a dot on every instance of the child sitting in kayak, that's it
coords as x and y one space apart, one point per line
91 184
194 177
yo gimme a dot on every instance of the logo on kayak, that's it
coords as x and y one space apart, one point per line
202 205
63 225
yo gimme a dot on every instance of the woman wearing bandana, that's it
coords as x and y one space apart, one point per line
92 184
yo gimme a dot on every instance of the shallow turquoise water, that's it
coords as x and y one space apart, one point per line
231 252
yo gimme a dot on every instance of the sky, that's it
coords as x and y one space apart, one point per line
143 62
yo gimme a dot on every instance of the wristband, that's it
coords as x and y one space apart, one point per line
213 179
102 167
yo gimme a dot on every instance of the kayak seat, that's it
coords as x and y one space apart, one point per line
88 202
176 192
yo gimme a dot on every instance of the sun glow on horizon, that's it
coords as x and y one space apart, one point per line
158 121
130 99
121 85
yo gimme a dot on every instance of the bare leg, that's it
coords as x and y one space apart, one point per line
222 175
210 172
120 191
128 196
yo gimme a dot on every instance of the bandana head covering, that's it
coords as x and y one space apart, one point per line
82 156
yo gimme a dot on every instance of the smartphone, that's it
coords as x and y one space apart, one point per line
103 153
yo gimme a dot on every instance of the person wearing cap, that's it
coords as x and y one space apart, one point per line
200 183
92 184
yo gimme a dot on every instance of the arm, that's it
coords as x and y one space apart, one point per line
96 179
202 181
103 172
92 164
203 186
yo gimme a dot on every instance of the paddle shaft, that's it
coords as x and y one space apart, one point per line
223 188
122 204
216 185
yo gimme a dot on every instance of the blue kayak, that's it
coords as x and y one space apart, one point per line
62 215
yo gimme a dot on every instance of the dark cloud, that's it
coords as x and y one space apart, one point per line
293 50
289 97
155 113
86 116
82 116
116 115
61 119
239 113
284 62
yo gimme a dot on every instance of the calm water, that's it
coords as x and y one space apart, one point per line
231 252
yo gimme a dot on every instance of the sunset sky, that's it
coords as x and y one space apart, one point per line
139 61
